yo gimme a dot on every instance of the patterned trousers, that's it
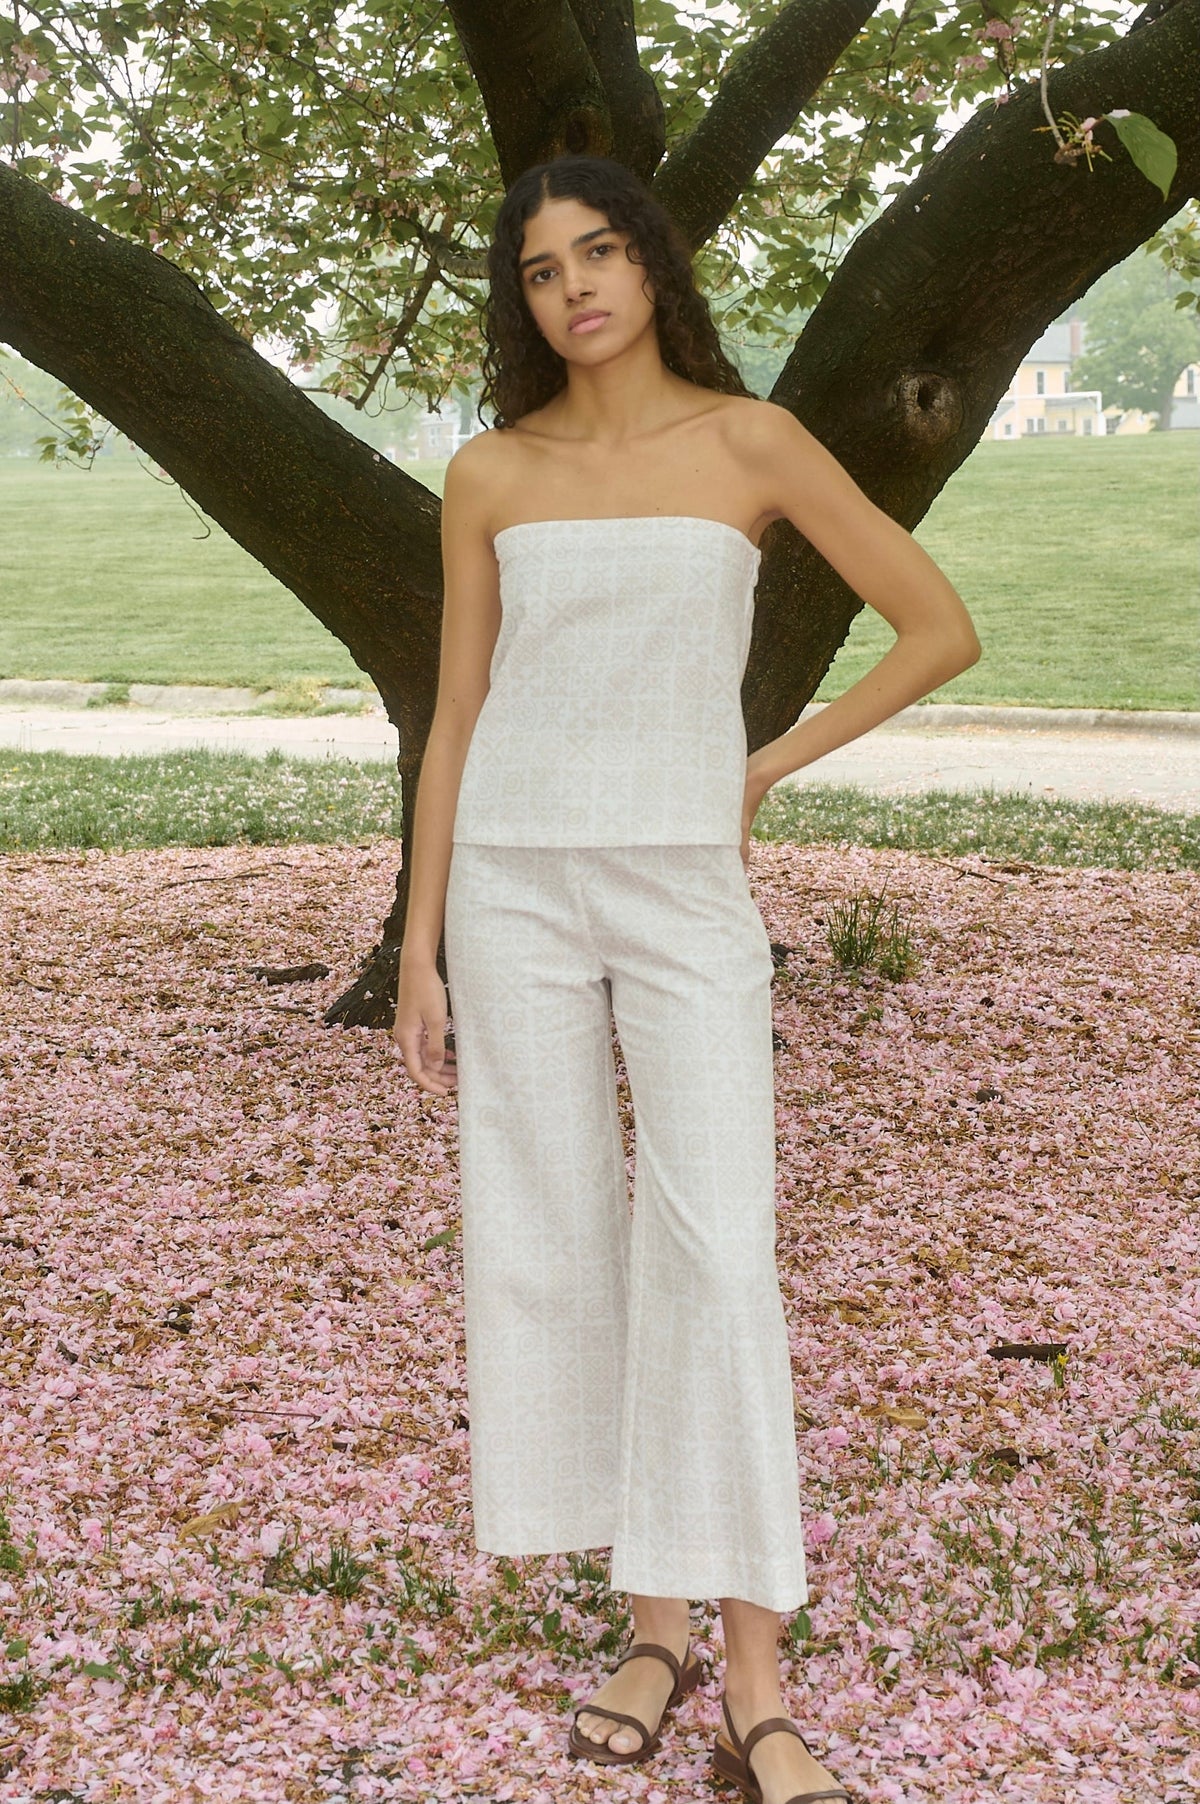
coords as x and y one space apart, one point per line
628 1377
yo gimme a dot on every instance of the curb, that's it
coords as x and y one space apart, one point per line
209 698
169 698
1018 719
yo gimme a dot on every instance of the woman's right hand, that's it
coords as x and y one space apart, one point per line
419 1029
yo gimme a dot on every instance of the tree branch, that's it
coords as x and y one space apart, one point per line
609 30
1044 71
902 363
139 341
399 336
540 88
765 88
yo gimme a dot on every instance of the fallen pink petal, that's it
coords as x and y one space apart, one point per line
237 1563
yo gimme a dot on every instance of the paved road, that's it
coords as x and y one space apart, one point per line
1045 753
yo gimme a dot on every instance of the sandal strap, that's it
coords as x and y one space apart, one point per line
756 1734
616 1716
638 1648
768 1726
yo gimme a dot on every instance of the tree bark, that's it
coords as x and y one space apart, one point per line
354 538
901 365
897 371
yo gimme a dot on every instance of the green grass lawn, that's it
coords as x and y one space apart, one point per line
112 575
51 801
1078 561
1080 564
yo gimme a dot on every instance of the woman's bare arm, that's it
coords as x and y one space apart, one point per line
935 639
470 624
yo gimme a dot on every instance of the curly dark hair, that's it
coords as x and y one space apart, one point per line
521 371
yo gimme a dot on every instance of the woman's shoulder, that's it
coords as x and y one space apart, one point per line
475 453
761 434
486 457
482 475
753 415
477 464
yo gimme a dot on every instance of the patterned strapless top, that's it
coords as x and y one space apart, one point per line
614 714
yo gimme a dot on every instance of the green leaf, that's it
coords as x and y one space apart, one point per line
799 1629
99 1669
438 1240
1151 150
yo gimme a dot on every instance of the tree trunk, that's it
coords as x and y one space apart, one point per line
1165 404
897 371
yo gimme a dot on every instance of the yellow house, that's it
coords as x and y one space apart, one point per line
1040 397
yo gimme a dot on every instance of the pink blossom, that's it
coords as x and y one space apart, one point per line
25 68
950 1176
820 1529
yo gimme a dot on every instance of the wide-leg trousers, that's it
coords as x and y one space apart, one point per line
628 1378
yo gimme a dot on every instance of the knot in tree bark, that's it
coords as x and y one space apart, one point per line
927 406
584 130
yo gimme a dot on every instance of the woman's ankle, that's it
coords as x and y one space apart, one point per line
757 1694
666 1620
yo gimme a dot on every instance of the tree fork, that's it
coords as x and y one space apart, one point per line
897 372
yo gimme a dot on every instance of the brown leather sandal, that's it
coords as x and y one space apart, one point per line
686 1679
731 1759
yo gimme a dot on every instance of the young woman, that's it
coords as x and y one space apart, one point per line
582 836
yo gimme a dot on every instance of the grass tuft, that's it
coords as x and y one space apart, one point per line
860 934
114 695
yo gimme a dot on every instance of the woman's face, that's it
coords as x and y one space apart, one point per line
572 266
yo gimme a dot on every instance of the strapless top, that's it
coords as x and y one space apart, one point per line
614 712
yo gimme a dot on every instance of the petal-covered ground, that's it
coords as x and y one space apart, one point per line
235 1546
